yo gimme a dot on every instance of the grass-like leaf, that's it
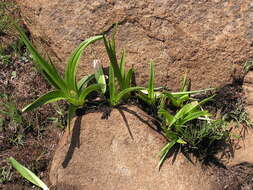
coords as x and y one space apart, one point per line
70 73
87 91
27 174
128 78
111 85
123 64
125 92
192 92
51 72
195 115
111 52
84 82
47 98
164 152
151 82
168 117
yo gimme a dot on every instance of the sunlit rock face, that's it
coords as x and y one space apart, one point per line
210 40
121 152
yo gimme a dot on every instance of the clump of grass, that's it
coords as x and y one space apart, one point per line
238 115
5 174
248 66
120 80
202 137
4 19
66 88
11 120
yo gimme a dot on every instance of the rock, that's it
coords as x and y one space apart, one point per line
248 93
243 150
121 153
208 39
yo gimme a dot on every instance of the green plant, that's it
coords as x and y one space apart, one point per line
178 99
238 114
149 95
66 88
4 20
115 95
11 120
173 125
124 78
5 174
248 66
10 111
119 79
99 75
203 135
5 59
27 174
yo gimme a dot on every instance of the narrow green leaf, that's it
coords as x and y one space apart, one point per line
173 100
112 88
122 64
185 84
51 73
184 111
193 92
168 117
84 81
194 115
181 141
206 99
50 80
27 174
176 99
87 91
164 152
126 91
145 98
111 52
128 79
70 73
45 99
151 82
157 94
183 98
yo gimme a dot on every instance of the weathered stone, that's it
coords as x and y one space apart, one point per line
248 79
243 150
121 153
248 93
209 39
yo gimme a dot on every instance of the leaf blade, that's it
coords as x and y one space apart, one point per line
45 99
50 70
27 174
70 72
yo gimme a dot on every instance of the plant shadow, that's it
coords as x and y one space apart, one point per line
75 141
75 133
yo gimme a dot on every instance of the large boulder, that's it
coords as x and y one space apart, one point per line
209 39
121 153
240 152
243 149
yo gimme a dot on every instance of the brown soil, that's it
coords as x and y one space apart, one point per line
38 135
